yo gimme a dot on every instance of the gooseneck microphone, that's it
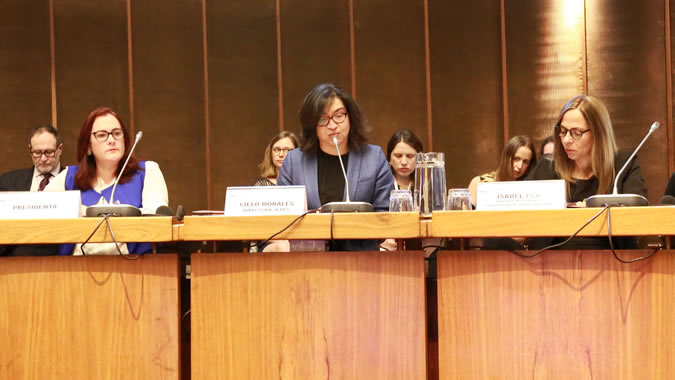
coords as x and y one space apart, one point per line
347 206
117 209
616 199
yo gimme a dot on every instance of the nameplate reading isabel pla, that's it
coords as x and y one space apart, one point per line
40 204
521 195
265 200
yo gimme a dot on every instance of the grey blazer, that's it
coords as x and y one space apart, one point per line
370 180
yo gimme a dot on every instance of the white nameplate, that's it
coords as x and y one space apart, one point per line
521 195
265 200
40 204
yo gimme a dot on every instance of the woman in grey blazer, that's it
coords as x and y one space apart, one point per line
329 113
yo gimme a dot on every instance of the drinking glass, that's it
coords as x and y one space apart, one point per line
459 199
400 200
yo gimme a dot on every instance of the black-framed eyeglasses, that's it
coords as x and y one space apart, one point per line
576 133
338 118
279 150
48 153
116 133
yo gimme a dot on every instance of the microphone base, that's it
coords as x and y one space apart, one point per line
603 200
113 210
347 207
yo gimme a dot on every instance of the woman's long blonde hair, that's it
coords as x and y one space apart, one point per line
604 145
267 167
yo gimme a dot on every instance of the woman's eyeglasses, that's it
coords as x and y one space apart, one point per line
116 133
338 118
576 133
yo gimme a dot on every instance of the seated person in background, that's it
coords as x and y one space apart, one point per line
547 146
402 150
587 158
670 189
326 113
275 153
102 148
45 145
518 158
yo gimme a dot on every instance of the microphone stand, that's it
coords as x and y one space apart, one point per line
616 199
117 209
347 206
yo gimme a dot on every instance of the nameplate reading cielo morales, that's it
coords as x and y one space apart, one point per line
39 205
521 195
265 200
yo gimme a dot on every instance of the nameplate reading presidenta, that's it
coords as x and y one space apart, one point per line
521 195
265 200
40 204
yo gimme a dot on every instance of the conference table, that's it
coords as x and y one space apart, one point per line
560 314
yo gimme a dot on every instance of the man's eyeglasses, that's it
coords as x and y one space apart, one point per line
338 118
116 133
38 153
279 150
576 133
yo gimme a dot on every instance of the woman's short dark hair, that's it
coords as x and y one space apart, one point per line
312 109
406 136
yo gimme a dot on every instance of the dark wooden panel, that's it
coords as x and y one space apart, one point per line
168 75
671 111
390 66
25 95
315 49
91 63
242 90
626 69
545 62
466 86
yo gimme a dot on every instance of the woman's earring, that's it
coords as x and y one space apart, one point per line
88 153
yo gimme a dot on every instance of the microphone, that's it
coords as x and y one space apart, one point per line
117 209
347 206
616 199
667 200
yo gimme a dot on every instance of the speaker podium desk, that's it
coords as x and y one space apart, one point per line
562 314
337 315
97 317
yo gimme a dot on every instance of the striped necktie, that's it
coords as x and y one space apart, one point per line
45 181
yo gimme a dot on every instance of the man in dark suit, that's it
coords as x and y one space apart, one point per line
45 148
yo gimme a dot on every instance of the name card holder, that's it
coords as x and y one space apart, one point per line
521 195
265 200
40 204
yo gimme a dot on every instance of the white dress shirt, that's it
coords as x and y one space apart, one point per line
38 177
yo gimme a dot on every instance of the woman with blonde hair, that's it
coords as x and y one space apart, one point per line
275 153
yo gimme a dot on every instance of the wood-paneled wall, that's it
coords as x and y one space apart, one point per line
211 82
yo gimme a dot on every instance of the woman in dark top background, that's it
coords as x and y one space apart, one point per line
587 158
